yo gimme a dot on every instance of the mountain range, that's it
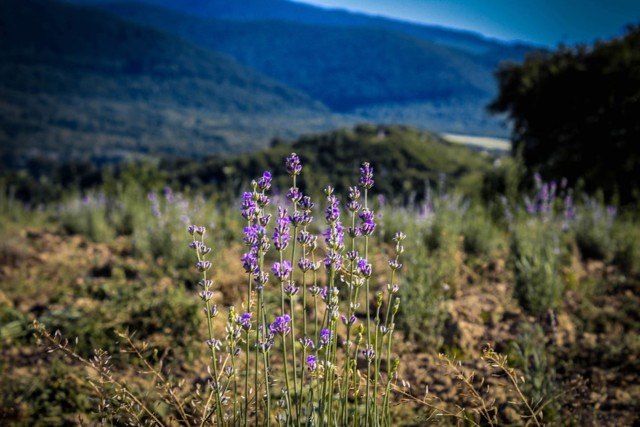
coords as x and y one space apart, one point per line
103 80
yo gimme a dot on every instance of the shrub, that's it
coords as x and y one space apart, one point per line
535 259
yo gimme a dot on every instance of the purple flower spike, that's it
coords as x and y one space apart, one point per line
281 234
312 363
325 337
282 270
249 207
294 195
264 182
364 267
369 353
281 325
244 321
293 165
333 260
250 260
368 224
366 176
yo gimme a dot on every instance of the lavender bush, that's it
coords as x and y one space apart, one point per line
315 356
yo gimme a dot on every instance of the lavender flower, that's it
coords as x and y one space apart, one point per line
294 195
334 236
394 264
290 290
264 182
306 204
333 260
300 219
350 321
244 320
368 223
212 311
281 234
312 363
305 264
364 268
307 342
306 239
369 353
293 165
202 266
282 270
250 260
366 176
281 325
352 255
325 337
214 343
206 295
249 208
332 212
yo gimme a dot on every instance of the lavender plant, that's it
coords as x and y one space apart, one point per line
314 357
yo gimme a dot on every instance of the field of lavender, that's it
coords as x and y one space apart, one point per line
126 305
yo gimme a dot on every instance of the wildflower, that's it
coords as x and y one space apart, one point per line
253 235
214 343
265 346
212 311
333 260
206 284
366 176
307 342
294 195
250 260
290 289
306 239
206 295
281 325
305 264
369 352
350 321
325 337
364 267
306 204
249 207
261 278
264 182
281 234
332 212
293 165
202 266
300 218
352 255
282 270
312 363
368 224
354 193
394 264
334 236
244 320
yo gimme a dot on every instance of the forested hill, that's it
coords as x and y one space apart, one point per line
79 80
406 160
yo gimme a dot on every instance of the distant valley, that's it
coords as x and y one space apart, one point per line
103 81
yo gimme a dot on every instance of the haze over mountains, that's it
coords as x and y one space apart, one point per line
102 80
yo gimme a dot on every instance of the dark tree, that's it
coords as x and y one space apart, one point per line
576 114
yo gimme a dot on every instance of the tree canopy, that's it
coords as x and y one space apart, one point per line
576 114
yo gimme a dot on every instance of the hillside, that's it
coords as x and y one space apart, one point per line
86 83
342 67
291 11
408 159
379 69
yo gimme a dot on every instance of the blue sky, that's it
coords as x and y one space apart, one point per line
546 22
